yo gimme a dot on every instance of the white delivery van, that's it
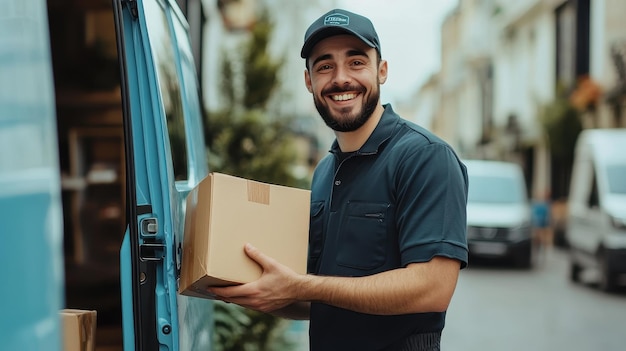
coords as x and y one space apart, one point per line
596 220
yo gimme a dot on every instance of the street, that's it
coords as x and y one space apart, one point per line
496 307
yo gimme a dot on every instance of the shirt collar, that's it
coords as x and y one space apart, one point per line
381 133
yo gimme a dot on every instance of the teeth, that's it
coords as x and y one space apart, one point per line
343 97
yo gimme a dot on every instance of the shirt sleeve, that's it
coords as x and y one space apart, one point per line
432 205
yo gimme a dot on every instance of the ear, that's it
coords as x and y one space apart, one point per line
382 71
307 81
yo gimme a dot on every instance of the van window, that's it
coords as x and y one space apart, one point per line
191 95
169 83
616 175
498 190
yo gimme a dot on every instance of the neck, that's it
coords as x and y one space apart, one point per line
352 141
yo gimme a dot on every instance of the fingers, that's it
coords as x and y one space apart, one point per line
254 253
229 291
243 289
240 296
258 256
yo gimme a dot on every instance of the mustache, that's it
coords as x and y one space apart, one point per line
339 90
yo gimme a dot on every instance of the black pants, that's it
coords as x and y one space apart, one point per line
418 342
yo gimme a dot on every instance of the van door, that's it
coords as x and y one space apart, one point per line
583 213
31 217
165 159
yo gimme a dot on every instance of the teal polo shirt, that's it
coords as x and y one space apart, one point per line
401 198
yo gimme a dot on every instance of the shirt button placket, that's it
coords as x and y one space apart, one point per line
337 182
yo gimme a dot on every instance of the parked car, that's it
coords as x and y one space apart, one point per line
498 212
596 219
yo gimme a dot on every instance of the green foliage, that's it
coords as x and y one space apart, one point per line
260 69
246 330
244 141
247 144
255 69
562 124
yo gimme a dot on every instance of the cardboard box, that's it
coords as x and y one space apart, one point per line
79 329
226 212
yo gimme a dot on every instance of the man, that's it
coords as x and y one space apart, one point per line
387 235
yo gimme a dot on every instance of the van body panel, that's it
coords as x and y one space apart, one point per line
165 160
31 220
616 205
596 220
154 316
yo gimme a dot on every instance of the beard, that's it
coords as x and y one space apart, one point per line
347 121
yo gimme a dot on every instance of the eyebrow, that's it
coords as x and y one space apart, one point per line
321 58
353 52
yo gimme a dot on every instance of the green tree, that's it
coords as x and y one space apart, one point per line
245 140
260 70
561 123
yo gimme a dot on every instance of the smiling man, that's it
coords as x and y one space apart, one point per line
387 235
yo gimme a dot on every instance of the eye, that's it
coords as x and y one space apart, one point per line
323 67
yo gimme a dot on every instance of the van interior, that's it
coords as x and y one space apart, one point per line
91 155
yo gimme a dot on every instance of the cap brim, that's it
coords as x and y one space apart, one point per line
326 32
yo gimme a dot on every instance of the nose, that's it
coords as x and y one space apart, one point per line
341 76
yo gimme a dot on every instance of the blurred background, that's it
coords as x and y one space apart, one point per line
514 81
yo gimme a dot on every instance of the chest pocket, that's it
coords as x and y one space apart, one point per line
363 243
316 229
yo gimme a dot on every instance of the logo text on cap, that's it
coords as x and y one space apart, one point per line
337 19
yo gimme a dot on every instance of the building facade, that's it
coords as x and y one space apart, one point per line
504 63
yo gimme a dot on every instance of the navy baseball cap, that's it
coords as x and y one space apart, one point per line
337 22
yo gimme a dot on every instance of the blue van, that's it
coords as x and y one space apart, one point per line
132 135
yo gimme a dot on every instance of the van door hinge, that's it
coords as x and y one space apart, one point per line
151 252
152 249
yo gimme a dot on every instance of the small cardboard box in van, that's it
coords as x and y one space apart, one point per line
79 329
226 212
